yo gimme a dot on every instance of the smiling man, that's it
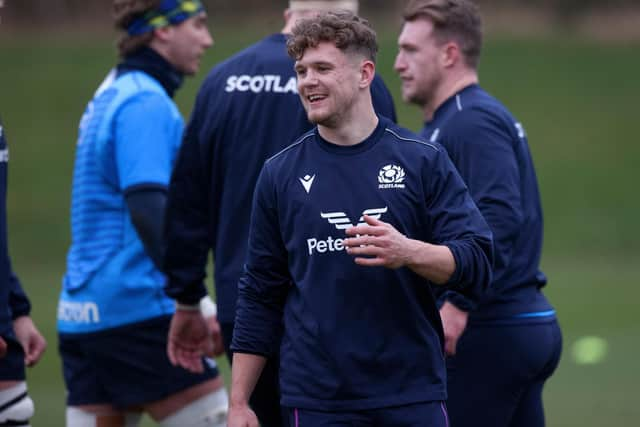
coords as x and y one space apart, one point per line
349 226
113 316
246 111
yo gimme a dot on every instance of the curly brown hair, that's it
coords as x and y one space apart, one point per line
124 12
457 20
347 31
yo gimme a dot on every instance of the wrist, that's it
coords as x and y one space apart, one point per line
415 255
238 401
188 308
208 307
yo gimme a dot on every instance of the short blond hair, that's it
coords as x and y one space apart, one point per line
457 20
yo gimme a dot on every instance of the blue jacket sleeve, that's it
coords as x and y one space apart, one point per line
18 300
457 223
263 287
188 216
481 149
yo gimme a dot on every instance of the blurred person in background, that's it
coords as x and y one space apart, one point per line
247 110
503 346
113 315
344 263
21 344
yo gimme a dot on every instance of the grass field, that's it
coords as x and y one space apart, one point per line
577 100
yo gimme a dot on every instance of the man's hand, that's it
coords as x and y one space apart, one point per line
189 340
216 337
241 416
32 342
3 347
454 322
378 244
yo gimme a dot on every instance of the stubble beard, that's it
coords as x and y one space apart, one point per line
424 94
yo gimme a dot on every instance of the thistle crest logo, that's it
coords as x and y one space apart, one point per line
391 176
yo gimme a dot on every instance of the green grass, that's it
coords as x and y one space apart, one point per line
576 100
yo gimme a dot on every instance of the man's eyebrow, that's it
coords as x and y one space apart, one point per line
321 62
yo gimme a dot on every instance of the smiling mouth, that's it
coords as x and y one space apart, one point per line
315 98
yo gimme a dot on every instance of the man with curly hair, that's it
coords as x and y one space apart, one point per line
349 227
246 111
113 315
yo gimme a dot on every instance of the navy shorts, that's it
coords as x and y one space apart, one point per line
424 414
12 364
125 366
497 375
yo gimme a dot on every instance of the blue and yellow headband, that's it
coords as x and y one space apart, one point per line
170 12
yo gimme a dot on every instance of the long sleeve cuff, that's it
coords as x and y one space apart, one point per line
189 295
18 301
459 300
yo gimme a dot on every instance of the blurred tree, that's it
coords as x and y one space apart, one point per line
56 11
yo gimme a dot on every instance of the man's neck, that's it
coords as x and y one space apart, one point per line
450 87
351 130
154 64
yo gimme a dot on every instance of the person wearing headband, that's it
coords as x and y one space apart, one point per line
247 110
113 316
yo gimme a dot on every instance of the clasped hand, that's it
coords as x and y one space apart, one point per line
378 244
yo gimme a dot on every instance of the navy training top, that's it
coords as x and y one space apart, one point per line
490 150
355 337
13 300
247 110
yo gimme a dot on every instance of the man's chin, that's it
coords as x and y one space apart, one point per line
315 118
407 96
191 72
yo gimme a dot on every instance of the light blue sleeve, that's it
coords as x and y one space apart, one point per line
147 136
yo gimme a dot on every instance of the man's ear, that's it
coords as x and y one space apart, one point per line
163 33
367 73
286 15
450 54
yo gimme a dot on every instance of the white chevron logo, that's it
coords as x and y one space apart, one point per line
342 221
307 182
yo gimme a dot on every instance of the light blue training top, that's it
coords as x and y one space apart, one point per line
129 136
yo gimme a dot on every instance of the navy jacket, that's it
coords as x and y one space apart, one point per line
13 300
490 150
355 337
247 110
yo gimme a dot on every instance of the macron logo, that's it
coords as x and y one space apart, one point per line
307 182
78 312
